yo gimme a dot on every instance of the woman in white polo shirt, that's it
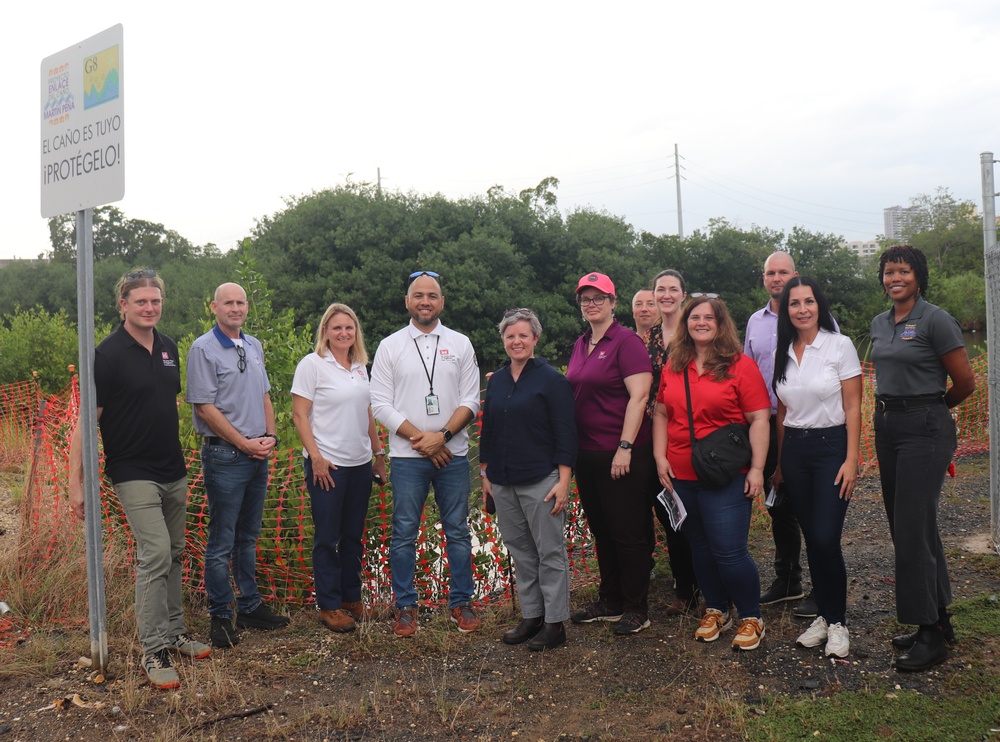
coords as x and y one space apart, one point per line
817 378
331 408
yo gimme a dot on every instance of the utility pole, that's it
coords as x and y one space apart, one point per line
677 178
992 255
378 187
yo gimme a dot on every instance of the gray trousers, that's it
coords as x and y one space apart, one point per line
156 514
536 541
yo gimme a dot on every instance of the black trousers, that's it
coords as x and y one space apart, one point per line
784 526
620 520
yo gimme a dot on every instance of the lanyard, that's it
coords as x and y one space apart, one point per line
430 374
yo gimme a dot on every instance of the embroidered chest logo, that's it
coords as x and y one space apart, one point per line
909 332
167 360
602 355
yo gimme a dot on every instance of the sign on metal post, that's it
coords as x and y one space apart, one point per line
82 125
82 166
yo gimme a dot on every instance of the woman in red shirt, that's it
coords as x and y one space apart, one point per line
726 387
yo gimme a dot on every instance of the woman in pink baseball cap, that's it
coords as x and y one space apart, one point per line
610 373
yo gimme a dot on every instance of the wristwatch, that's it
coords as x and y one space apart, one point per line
624 444
271 435
447 434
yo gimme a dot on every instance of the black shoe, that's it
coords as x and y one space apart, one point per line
598 611
905 641
632 623
807 608
263 618
550 637
781 590
222 634
928 650
524 630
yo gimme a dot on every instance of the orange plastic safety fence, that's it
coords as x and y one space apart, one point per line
37 429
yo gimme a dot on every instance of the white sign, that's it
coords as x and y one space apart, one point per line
82 119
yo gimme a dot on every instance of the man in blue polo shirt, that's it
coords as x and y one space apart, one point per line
229 390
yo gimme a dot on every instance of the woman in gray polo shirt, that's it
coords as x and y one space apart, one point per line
916 347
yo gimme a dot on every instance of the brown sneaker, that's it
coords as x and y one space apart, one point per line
406 622
713 623
749 634
338 620
359 611
466 618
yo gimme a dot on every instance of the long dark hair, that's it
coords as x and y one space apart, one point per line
786 330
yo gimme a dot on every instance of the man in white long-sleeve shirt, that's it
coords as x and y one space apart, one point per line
425 390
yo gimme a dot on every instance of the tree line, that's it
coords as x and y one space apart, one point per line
497 251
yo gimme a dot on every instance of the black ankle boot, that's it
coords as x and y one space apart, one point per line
524 630
905 641
550 637
928 650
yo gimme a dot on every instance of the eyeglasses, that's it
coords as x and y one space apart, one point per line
417 274
143 273
241 364
698 295
597 301
513 312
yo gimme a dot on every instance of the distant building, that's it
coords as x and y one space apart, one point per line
863 248
898 218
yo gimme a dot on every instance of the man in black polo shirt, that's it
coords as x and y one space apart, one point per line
137 378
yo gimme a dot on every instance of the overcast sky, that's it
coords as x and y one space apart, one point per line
785 113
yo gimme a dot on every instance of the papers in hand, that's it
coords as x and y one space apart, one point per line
674 507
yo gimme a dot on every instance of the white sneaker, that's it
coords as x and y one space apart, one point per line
838 641
815 635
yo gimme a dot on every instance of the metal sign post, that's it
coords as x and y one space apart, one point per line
992 255
82 166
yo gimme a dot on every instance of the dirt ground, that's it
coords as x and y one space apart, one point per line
305 683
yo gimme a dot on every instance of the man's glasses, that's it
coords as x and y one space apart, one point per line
698 295
417 274
241 364
144 273
597 301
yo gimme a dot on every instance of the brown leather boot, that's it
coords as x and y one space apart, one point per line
359 611
338 620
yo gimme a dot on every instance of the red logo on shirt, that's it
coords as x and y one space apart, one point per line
443 351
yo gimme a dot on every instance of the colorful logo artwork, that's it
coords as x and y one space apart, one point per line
59 103
101 77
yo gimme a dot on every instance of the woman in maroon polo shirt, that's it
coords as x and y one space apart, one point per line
610 373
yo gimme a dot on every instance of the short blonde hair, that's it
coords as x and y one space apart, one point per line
357 354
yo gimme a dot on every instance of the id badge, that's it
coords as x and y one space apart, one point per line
433 405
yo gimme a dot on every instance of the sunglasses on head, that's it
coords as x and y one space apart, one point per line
417 274
698 295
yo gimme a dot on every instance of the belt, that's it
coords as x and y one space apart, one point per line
214 440
901 404
814 432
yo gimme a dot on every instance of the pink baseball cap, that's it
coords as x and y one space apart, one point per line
598 281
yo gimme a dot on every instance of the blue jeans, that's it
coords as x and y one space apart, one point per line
235 486
339 523
718 526
914 449
810 460
411 480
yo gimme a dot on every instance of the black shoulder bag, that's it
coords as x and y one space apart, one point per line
720 455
